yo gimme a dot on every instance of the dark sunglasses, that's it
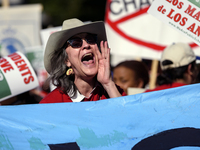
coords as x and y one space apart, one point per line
77 42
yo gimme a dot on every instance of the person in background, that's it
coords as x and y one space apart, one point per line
131 73
178 65
78 69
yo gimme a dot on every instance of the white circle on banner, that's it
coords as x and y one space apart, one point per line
10 45
11 41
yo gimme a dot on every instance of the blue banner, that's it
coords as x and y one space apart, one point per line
161 120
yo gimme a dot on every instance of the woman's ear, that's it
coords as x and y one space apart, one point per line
189 69
67 62
140 83
192 73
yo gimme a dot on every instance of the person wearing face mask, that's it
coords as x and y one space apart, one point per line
78 69
178 65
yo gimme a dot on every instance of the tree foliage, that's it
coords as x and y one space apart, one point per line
55 12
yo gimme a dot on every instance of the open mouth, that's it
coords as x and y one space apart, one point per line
88 58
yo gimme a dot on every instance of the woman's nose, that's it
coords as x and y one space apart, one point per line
85 44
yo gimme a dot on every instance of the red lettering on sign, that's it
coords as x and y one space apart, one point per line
170 14
184 19
19 62
27 80
176 3
177 17
191 11
180 5
23 67
192 29
143 11
28 72
197 16
160 8
5 65
14 56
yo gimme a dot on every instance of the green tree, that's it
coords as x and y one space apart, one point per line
56 11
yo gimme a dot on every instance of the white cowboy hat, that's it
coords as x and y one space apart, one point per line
70 28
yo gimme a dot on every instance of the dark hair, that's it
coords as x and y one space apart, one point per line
140 69
58 75
170 75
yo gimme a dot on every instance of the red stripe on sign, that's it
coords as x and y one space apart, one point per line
193 45
134 15
114 26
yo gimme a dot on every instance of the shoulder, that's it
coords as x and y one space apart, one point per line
56 96
161 87
166 86
176 84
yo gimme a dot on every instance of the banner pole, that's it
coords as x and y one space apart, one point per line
5 3
153 75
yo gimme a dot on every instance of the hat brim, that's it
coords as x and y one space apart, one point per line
57 39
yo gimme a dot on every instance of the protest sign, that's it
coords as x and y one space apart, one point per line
16 75
45 33
133 33
35 55
19 28
181 15
166 119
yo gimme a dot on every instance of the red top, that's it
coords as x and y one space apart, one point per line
57 96
166 86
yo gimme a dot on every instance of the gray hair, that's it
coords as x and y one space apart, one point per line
58 75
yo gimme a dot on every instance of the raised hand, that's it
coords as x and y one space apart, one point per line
104 75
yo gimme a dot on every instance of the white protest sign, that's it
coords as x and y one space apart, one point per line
16 75
19 28
132 32
45 33
181 15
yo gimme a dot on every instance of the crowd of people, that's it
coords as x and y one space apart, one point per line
178 65
77 59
